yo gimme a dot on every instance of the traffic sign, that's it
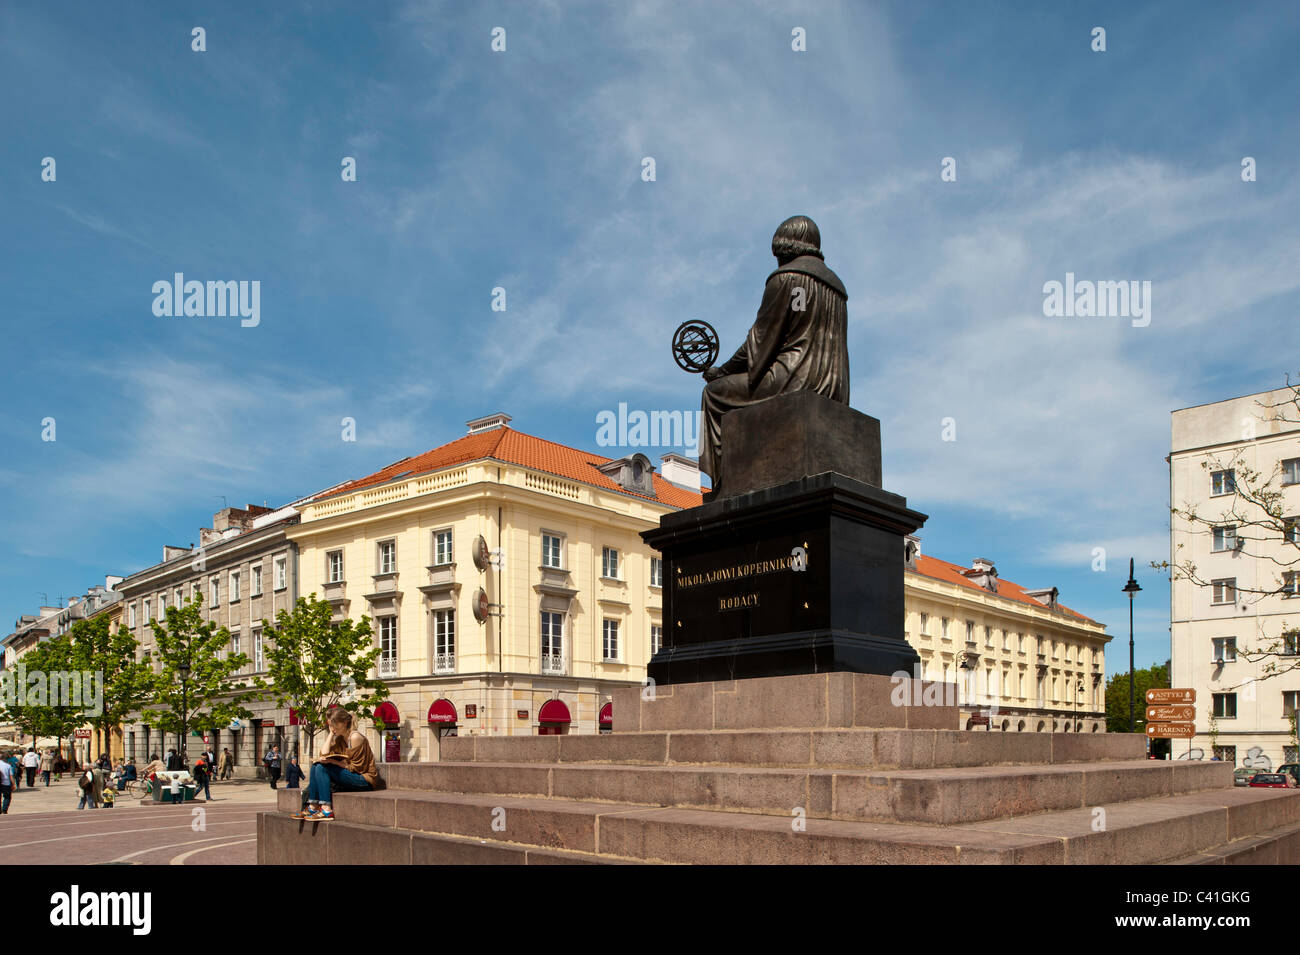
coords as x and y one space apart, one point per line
1171 696
1179 713
1171 730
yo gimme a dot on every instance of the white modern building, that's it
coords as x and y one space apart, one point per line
1234 589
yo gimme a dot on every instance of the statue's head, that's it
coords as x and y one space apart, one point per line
796 236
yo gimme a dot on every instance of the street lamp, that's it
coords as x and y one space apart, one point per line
1130 588
184 672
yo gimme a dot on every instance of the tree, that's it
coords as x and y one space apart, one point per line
43 706
125 685
1155 677
1256 521
315 665
210 695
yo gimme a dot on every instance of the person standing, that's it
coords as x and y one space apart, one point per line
273 765
16 765
6 786
293 774
224 767
173 761
47 766
91 783
31 762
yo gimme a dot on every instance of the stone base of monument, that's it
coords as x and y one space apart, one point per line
812 768
797 565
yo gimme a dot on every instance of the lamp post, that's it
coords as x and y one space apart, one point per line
1130 588
184 672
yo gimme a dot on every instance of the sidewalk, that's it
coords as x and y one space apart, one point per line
64 796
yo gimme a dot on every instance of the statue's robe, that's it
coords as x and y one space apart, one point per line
786 350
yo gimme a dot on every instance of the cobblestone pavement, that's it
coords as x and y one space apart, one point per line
44 826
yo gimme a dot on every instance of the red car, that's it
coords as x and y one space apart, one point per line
1272 781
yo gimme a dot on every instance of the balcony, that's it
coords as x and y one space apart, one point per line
444 663
553 664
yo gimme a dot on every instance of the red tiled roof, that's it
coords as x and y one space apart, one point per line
515 447
956 574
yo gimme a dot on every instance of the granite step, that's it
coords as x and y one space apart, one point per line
825 748
935 796
1279 846
1140 831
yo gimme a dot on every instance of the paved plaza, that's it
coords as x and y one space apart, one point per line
43 826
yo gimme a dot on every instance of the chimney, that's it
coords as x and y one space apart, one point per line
1047 596
171 552
911 551
680 470
491 422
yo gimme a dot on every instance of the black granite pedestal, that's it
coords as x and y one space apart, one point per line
800 576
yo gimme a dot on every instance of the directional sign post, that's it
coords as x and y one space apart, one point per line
1171 730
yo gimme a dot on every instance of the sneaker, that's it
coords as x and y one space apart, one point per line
307 812
324 815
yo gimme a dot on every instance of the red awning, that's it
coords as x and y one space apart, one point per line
553 711
607 714
442 711
387 714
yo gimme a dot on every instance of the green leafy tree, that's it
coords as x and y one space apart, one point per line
38 711
1253 517
212 695
315 665
125 684
1154 677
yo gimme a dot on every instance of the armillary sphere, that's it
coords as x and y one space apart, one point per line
695 346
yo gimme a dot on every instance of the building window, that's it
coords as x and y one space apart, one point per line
1225 649
178 599
442 546
162 606
1291 471
444 641
146 610
1290 703
1020 643
1225 538
656 572
258 666
1289 588
552 643
215 586
609 563
1006 645
610 644
281 573
551 551
1225 706
131 616
387 557
1225 590
388 646
988 636
656 638
970 631
1291 530
1223 482
334 567
1226 754
943 628
925 623
1290 642
234 586
234 644
255 587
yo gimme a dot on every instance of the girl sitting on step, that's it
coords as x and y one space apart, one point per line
346 765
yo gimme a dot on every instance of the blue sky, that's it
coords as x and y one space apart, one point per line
522 170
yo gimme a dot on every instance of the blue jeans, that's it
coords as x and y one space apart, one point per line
6 794
327 778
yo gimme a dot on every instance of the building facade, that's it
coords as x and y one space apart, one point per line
1018 657
246 570
1244 597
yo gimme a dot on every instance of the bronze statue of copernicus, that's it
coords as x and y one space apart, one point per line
799 342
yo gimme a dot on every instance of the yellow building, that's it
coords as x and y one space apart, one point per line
505 578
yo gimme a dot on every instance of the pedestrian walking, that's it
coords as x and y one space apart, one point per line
91 784
226 766
16 765
201 777
273 765
6 786
293 774
47 766
31 762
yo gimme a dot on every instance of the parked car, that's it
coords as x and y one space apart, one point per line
1292 769
1241 777
1272 781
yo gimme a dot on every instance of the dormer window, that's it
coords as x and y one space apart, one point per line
633 473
